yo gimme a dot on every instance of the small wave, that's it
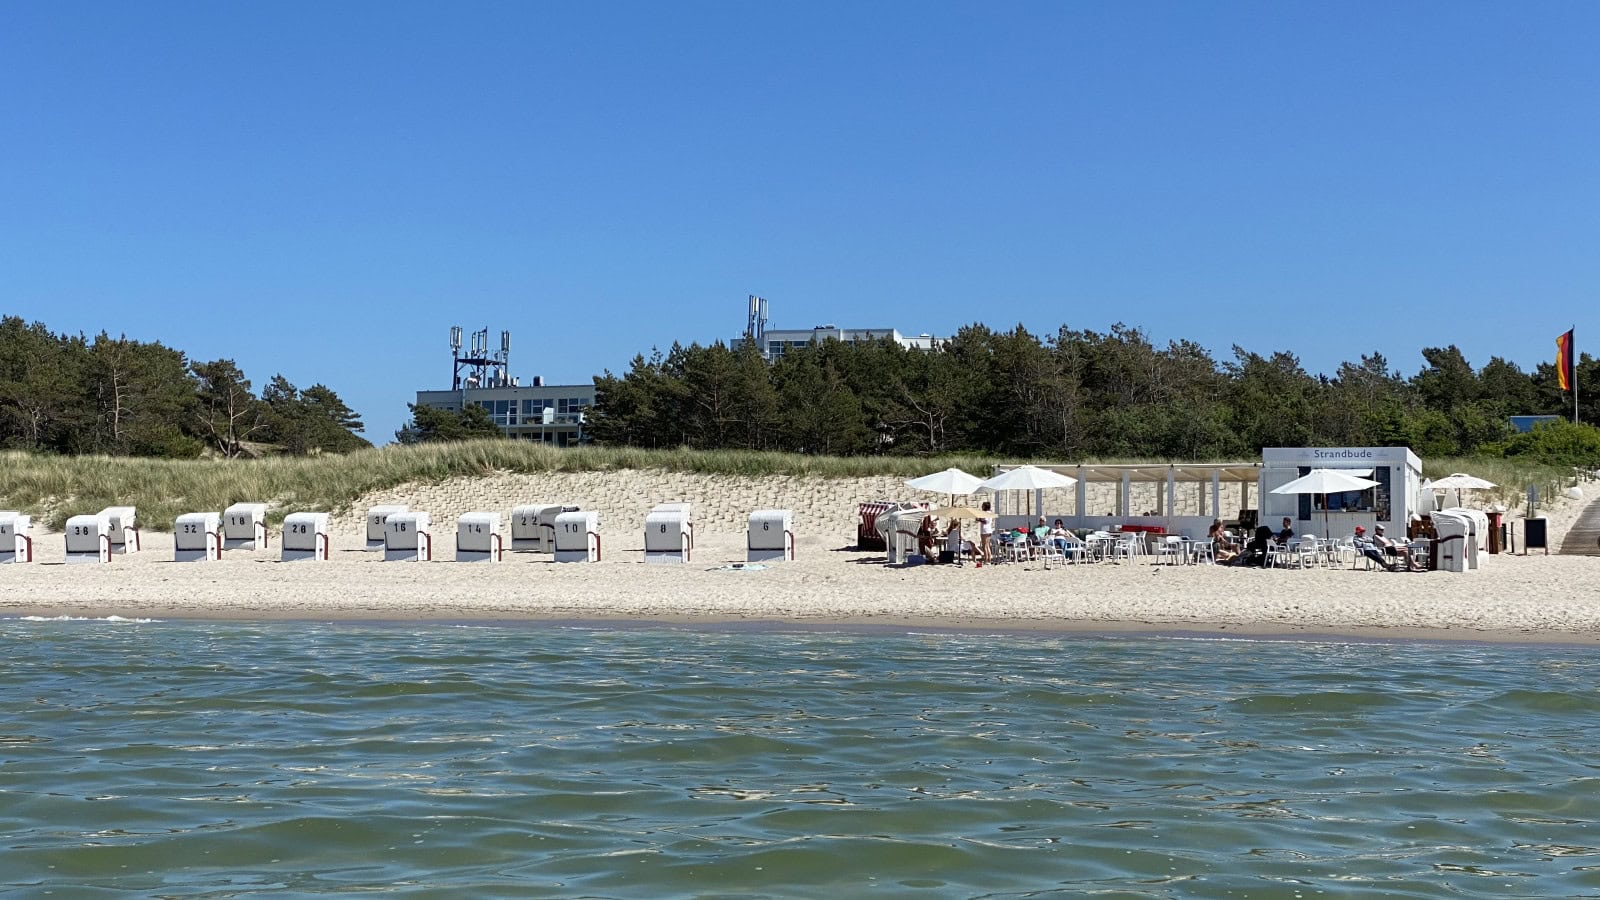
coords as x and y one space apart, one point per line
122 619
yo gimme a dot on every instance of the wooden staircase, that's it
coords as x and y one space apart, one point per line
1584 538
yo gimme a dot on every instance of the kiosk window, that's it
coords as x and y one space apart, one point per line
1373 500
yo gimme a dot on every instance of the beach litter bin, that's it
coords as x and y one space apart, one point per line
1497 531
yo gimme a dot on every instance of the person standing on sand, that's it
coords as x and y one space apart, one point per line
985 533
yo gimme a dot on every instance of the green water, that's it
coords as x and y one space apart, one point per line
282 760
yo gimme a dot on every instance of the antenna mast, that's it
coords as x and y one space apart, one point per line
483 370
755 328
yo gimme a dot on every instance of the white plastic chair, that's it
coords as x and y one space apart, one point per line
1342 549
1052 551
1122 548
1172 549
1278 554
1203 552
1305 551
1076 551
1019 550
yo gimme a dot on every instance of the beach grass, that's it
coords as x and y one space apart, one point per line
1513 477
54 488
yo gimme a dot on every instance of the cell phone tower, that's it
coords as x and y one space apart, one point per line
483 370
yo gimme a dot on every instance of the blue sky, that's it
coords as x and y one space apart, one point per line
323 189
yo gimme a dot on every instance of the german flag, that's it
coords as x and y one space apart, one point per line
1564 360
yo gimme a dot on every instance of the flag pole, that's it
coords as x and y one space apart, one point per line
1572 355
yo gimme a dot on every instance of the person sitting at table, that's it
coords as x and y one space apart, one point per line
1255 552
1399 551
1367 548
927 536
955 546
1283 537
1058 535
1222 549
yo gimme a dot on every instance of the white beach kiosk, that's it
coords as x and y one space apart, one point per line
1397 471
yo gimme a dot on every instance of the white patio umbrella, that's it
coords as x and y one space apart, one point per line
951 481
1461 481
1027 478
1328 481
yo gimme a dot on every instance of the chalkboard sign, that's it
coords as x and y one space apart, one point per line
1534 535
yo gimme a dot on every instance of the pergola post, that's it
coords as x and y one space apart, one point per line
1083 497
1216 493
1122 494
1172 491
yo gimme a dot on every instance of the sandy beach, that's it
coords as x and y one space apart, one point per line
1511 598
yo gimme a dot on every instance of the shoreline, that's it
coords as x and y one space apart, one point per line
1512 599
899 625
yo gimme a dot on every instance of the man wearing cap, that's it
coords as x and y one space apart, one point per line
1400 552
1369 551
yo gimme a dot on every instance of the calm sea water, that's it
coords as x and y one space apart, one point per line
237 760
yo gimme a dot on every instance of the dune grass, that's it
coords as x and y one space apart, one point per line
54 488
1512 476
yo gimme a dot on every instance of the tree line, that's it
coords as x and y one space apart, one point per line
1071 395
69 394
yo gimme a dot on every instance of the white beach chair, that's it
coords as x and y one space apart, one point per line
1307 551
1075 551
1051 551
1127 546
1018 549
1171 550
1278 554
